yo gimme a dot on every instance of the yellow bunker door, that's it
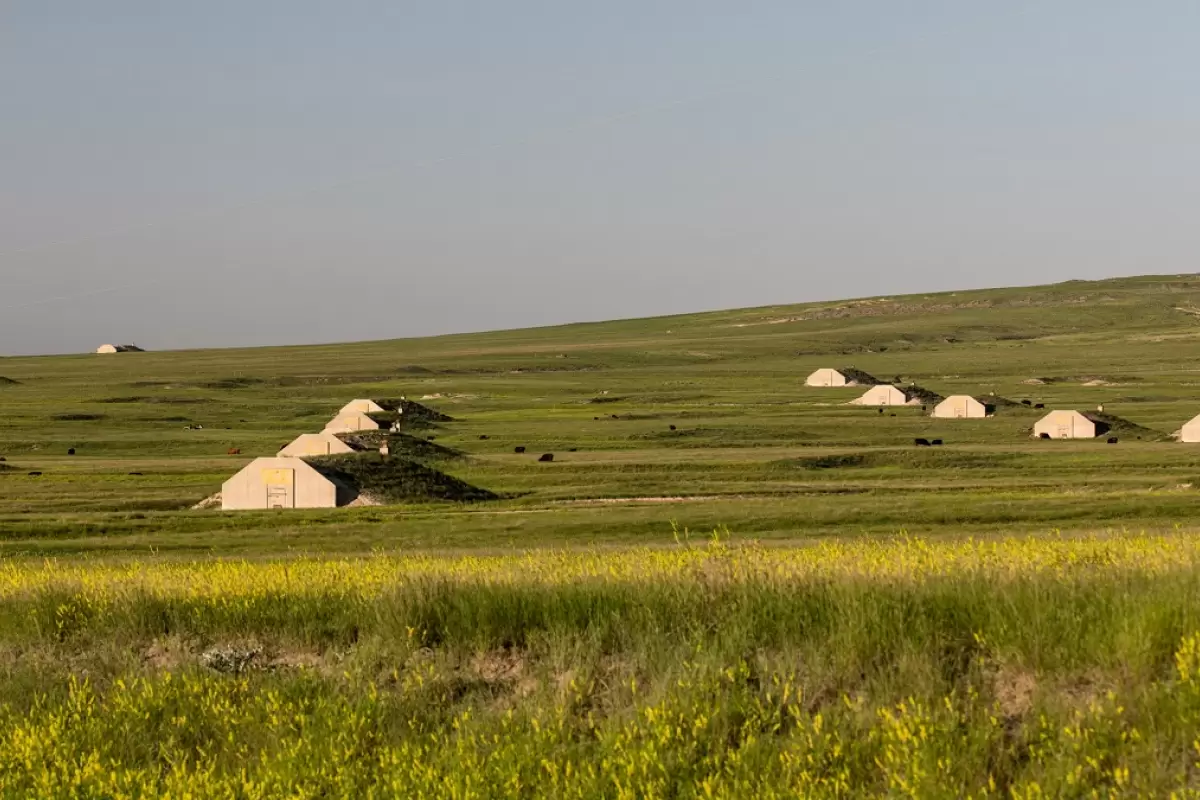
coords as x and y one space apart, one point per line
281 487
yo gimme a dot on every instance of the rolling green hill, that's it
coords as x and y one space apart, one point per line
603 397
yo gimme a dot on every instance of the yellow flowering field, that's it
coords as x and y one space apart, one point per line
1008 667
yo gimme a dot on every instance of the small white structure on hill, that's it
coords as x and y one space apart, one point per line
279 483
362 406
1190 431
882 395
106 348
962 406
826 377
1067 425
349 423
315 444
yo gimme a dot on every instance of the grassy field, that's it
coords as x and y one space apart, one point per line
999 616
749 449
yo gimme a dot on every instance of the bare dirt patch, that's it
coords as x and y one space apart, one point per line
1014 689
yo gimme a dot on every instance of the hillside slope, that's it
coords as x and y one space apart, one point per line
707 406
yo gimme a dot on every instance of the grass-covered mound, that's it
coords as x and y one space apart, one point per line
8 381
921 395
400 444
413 412
859 377
1119 426
397 480
997 402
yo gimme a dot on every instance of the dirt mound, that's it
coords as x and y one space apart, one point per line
400 444
77 417
397 480
8 381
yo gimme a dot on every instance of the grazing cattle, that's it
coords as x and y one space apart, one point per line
135 473
595 419
1043 436
921 442
518 449
35 474
482 437
614 416
1112 440
233 451
546 457
2 458
673 427
1039 405
70 451
892 414
573 450
881 412
1026 403
936 442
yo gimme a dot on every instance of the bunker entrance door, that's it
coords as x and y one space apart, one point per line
280 483
279 497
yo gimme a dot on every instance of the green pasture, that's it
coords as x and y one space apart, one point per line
752 448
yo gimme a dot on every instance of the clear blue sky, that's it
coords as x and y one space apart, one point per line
239 173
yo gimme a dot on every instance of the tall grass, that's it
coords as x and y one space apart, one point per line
908 668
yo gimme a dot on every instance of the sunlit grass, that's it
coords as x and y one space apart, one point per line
1016 667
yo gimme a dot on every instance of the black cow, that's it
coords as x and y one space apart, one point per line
135 473
936 442
1112 440
673 427
70 451
35 474
546 457
921 442
1043 436
573 450
1039 405
1026 403
482 437
881 411
518 449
